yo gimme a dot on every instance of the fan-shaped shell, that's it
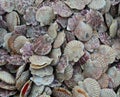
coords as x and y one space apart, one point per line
92 87
107 93
74 50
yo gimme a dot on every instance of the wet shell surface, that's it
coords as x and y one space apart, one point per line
61 92
95 90
59 40
47 80
7 77
83 31
107 93
12 20
74 50
97 4
45 15
78 92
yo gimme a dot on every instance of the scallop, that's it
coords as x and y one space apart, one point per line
61 92
7 77
92 87
97 4
108 52
12 20
59 40
47 80
78 92
107 93
45 15
40 61
74 50
48 70
83 31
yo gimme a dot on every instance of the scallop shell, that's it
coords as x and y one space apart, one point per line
107 93
77 4
113 28
12 20
74 50
83 31
78 92
60 77
61 92
55 54
26 89
48 91
7 5
7 77
103 81
97 4
22 79
59 40
45 15
47 80
52 30
92 87
48 70
108 19
40 61
108 52
61 9
106 7
36 90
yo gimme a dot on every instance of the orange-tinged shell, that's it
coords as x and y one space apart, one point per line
7 77
74 50
92 87
78 92
61 92
59 40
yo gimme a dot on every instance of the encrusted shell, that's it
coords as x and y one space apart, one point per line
97 4
61 92
7 77
48 70
83 31
47 80
12 20
40 61
59 40
92 87
45 15
74 50
78 92
108 52
107 93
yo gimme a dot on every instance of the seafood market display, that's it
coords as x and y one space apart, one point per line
59 48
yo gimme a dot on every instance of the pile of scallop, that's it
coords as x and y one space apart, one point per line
59 48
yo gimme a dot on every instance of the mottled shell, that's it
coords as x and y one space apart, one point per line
12 20
92 87
7 77
45 15
40 61
48 70
61 92
52 30
107 93
74 50
103 81
59 40
22 79
108 52
97 4
83 31
7 5
78 92
108 19
47 80
113 28
36 90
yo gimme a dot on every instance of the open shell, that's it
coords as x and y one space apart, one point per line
74 50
